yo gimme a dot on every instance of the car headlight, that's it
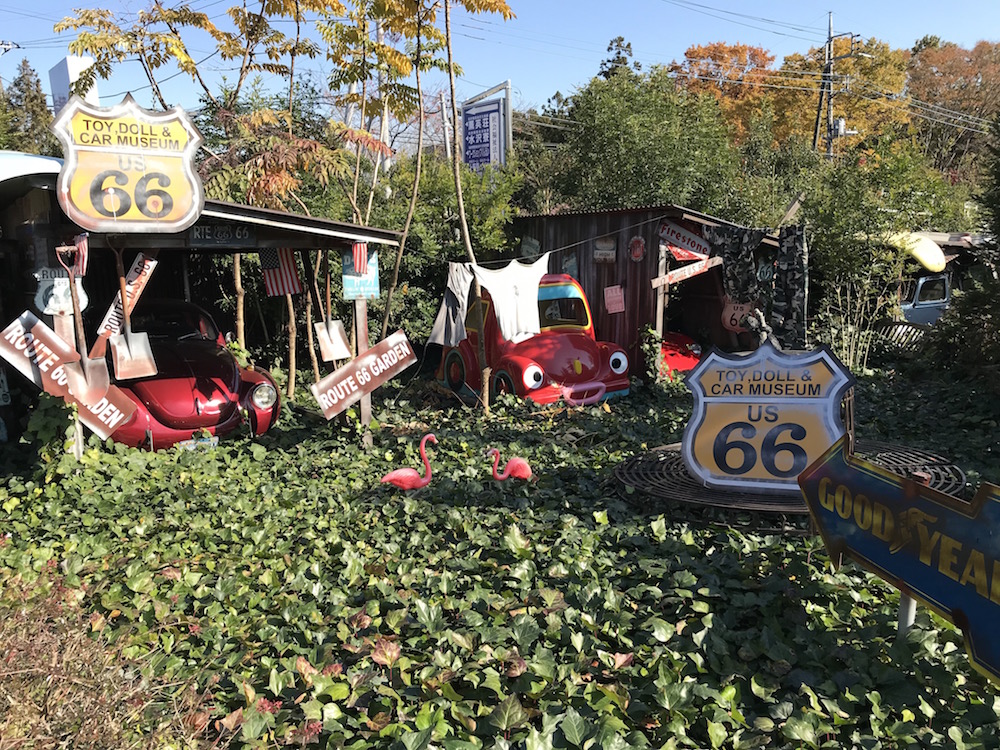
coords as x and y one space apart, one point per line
695 349
619 363
533 377
264 396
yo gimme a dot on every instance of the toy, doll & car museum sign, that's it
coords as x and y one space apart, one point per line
128 169
760 419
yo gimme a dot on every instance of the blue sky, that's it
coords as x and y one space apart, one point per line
558 45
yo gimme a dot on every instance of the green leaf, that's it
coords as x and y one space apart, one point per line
510 714
254 723
417 740
574 727
659 527
662 630
717 733
516 542
141 582
526 631
800 729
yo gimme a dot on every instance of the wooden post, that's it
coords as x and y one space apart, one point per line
661 291
361 330
907 604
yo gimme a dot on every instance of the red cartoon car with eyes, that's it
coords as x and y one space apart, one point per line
563 361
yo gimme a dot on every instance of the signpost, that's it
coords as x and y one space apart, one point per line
684 245
53 296
760 419
686 272
45 359
135 282
362 375
937 548
487 129
128 169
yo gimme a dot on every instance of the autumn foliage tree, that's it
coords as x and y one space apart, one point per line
954 93
868 84
738 76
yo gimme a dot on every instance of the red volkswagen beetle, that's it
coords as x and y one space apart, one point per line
563 361
199 386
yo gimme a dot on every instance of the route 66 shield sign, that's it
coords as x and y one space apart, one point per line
128 169
759 420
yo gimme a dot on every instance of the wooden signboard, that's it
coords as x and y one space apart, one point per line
363 374
34 350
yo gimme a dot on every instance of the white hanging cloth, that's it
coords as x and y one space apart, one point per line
514 290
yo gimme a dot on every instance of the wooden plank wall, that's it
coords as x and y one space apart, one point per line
571 239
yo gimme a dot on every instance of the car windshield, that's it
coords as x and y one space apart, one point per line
561 306
176 324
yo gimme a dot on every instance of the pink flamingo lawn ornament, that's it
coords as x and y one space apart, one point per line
516 467
410 479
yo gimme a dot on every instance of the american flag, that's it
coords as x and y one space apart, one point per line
281 274
360 258
82 243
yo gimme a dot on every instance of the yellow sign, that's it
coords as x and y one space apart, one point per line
128 169
759 420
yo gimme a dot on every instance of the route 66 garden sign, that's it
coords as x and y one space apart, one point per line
128 169
759 420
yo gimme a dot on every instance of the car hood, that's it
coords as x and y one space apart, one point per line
565 357
196 385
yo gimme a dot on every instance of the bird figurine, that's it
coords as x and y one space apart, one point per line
410 479
516 467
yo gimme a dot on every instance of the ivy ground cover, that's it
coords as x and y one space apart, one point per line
314 607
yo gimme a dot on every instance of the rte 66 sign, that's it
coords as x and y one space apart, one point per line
128 169
760 420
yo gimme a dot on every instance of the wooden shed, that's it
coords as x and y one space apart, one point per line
624 248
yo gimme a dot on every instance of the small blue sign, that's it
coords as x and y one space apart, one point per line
360 283
483 134
939 549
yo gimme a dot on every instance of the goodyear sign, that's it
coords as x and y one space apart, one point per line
759 420
942 550
128 169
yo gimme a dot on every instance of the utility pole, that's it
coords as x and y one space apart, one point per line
827 88
6 47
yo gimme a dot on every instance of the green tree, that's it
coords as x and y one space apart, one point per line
638 140
875 191
620 60
28 116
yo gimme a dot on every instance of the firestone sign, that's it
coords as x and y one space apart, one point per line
128 169
759 420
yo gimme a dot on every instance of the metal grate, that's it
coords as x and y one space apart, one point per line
658 479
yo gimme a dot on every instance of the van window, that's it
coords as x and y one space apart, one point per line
932 290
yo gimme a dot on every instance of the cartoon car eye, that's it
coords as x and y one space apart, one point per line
619 363
533 377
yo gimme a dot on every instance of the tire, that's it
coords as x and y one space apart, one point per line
454 371
502 383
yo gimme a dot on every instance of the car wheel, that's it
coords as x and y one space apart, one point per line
454 370
502 383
